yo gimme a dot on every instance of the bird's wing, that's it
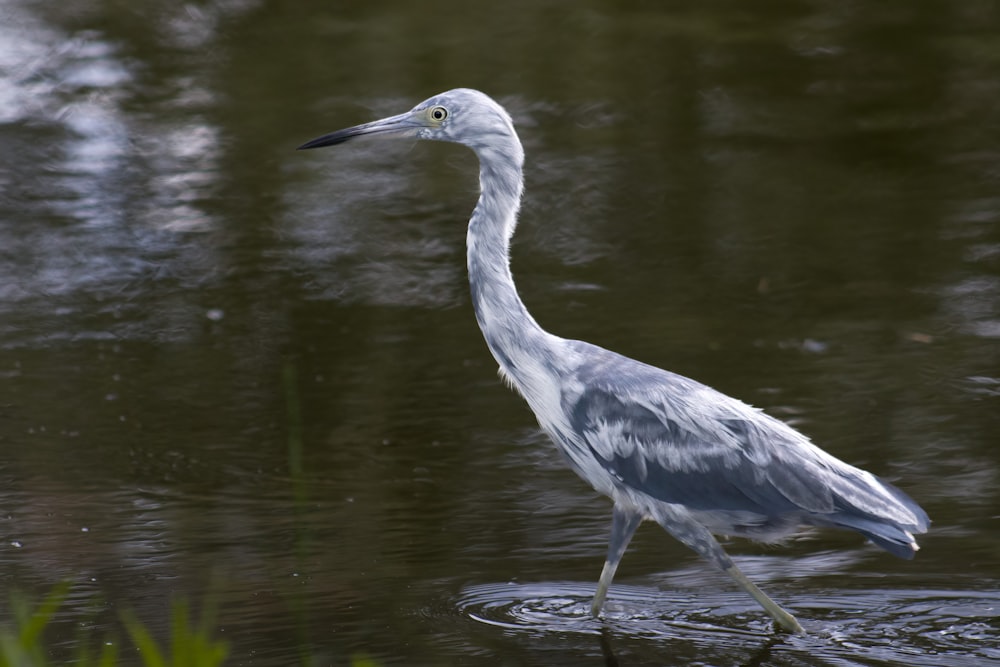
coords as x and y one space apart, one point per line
698 448
635 427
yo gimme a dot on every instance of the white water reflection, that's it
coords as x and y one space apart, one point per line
27 47
98 201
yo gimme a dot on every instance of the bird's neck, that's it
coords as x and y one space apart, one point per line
517 342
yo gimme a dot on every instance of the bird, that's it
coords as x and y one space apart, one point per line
661 446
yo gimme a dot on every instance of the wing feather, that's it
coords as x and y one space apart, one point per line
680 442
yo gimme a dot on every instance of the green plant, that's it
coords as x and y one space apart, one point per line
22 644
189 646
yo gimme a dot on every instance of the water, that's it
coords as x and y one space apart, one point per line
238 373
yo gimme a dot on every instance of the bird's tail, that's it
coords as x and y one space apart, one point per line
890 524
897 541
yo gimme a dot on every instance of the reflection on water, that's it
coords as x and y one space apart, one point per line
95 188
796 205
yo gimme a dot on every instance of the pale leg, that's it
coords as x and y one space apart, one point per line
623 525
679 523
784 620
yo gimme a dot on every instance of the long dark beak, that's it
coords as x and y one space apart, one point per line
404 125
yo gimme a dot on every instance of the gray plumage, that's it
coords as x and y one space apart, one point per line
661 446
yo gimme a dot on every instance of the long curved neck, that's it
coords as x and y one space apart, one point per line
517 342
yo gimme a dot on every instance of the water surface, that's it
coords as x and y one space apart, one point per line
235 372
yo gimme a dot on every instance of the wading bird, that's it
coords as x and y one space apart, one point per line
663 447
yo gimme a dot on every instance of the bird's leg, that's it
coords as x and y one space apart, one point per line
784 620
679 523
623 525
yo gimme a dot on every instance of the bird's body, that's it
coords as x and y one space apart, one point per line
661 446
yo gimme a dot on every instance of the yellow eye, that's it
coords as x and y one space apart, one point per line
438 113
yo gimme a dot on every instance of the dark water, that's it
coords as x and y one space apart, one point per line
235 372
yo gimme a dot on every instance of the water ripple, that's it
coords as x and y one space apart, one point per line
863 627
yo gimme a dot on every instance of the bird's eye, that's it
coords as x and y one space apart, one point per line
438 113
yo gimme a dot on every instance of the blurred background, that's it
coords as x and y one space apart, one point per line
235 372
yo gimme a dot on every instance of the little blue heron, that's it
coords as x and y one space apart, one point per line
661 446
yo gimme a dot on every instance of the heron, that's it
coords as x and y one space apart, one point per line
661 446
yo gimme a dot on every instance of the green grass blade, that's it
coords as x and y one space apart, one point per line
150 652
33 623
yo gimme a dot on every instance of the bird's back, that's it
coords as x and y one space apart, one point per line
646 436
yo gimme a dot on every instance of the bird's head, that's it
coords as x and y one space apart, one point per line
461 115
